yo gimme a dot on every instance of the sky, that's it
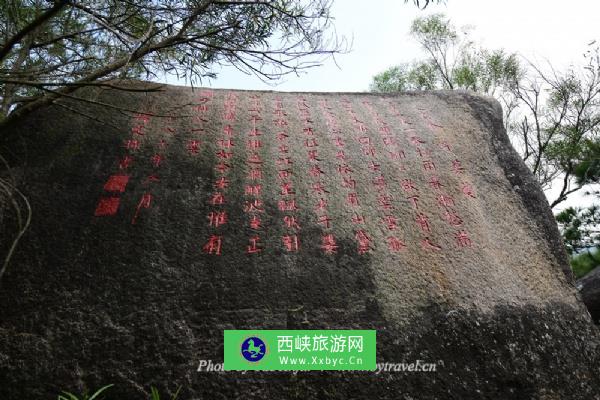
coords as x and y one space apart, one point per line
543 31
550 30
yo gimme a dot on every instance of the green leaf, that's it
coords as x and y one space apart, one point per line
99 391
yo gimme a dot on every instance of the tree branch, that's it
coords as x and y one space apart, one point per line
40 20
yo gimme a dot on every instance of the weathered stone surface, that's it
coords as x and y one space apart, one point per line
479 283
589 287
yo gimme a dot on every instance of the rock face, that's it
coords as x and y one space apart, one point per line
589 286
410 214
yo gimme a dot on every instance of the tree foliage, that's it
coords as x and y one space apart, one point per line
52 48
453 62
552 117
558 125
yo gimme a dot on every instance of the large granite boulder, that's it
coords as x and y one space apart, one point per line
208 210
589 287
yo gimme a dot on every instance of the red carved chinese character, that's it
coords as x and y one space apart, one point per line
364 140
339 142
325 220
315 171
352 199
390 221
395 244
208 94
125 162
309 131
341 155
468 190
312 155
255 222
252 190
138 130
224 155
344 169
151 179
291 222
396 155
445 201
253 247
217 218
423 222
142 117
156 160
107 206
116 183
385 201
132 144
414 200
328 244
428 165
255 119
457 167
144 203
407 185
228 130
374 167
416 140
426 244
221 183
311 143
369 151
287 205
253 206
222 167
358 219
435 183
379 182
361 126
286 188
281 136
255 159
290 243
284 149
321 205
388 141
283 174
318 188
445 145
253 144
423 153
255 174
284 160
348 183
217 199
385 129
213 245
193 146
462 239
452 218
227 143
364 241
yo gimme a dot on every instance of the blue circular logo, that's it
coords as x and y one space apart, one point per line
253 349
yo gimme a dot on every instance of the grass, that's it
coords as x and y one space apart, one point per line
154 394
